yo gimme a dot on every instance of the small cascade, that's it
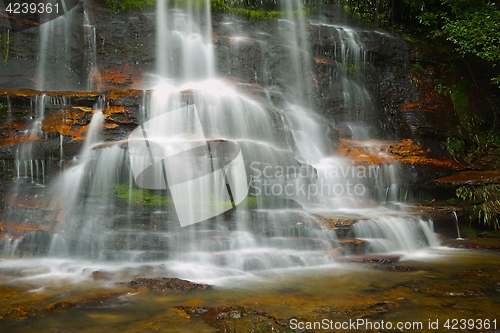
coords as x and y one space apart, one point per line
31 169
395 234
90 54
30 164
294 32
348 71
55 70
184 49
26 165
61 66
458 227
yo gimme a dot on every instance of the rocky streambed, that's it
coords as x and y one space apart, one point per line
439 287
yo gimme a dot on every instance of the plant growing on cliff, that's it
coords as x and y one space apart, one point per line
140 196
455 147
485 201
127 5
471 27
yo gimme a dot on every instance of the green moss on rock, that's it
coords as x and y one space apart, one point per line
138 196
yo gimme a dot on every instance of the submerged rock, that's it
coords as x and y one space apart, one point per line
237 318
397 268
476 244
167 284
374 258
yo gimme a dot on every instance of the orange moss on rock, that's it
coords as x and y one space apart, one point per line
15 138
69 122
120 76
471 177
379 152
113 109
322 61
33 93
12 125
124 92
22 228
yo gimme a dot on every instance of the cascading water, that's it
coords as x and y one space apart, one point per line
292 175
54 68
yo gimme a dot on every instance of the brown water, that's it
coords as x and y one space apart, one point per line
441 285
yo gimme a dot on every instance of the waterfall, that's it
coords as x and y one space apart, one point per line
90 54
54 67
184 49
106 212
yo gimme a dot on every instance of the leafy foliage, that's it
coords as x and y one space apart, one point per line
250 9
455 147
486 202
127 5
472 27
473 141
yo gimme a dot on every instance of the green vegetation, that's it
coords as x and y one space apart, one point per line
255 14
3 106
417 68
470 27
467 231
252 10
485 201
476 138
127 5
455 147
138 196
254 202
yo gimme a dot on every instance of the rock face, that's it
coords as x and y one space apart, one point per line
397 102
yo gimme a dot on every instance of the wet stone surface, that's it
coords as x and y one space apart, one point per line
167 284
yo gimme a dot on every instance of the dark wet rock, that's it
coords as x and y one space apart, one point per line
93 300
167 284
398 268
237 318
36 242
101 275
367 258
